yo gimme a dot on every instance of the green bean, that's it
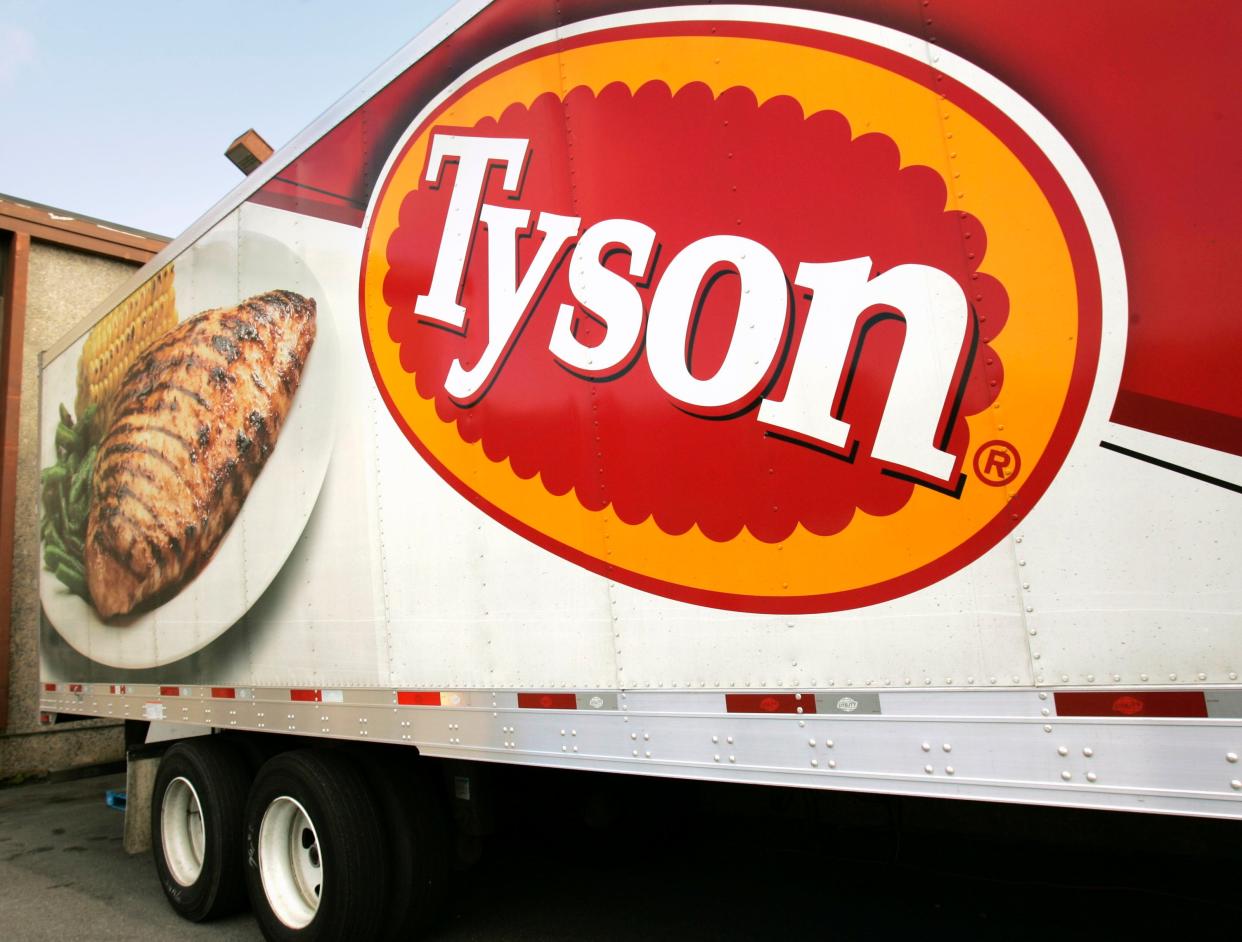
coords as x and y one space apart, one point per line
79 511
64 508
74 579
55 556
52 538
73 565
54 475
77 518
54 542
80 485
65 416
65 438
75 546
85 427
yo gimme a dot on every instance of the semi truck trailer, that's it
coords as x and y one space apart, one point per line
818 394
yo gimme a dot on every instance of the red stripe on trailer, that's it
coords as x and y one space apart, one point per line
1177 703
223 693
1179 420
769 703
170 691
75 688
116 688
49 688
548 701
306 696
418 697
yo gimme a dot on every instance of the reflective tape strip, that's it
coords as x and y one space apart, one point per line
1172 703
769 703
1224 703
848 703
418 697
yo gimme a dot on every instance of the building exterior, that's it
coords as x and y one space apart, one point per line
54 269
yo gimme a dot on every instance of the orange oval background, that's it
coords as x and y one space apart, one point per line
1037 247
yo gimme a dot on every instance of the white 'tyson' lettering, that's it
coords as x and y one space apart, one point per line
931 303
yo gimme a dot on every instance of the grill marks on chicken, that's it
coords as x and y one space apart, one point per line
193 424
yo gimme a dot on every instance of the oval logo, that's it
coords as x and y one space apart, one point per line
767 316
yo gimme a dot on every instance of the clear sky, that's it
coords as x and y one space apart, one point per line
122 109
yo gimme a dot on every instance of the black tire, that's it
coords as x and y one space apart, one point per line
318 801
420 846
214 775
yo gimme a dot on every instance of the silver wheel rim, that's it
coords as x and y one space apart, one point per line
290 865
181 831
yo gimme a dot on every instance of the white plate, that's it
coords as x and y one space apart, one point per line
279 504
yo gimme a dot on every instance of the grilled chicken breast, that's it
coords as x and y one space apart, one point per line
193 423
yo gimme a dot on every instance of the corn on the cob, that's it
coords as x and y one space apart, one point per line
117 341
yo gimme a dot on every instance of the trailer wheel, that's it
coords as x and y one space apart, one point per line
421 847
315 852
197 811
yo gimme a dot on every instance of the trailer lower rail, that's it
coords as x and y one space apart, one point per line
1173 751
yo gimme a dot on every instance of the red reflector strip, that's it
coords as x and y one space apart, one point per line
548 701
116 688
49 688
170 691
223 693
418 697
75 688
1132 703
769 703
306 696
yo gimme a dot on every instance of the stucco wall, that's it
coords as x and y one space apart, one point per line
64 286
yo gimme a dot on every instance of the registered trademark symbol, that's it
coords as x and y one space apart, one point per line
997 462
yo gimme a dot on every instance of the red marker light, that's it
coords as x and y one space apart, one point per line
418 697
769 703
1167 703
548 701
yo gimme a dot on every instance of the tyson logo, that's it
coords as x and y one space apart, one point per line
724 309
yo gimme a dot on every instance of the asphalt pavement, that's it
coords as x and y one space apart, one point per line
686 864
64 874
